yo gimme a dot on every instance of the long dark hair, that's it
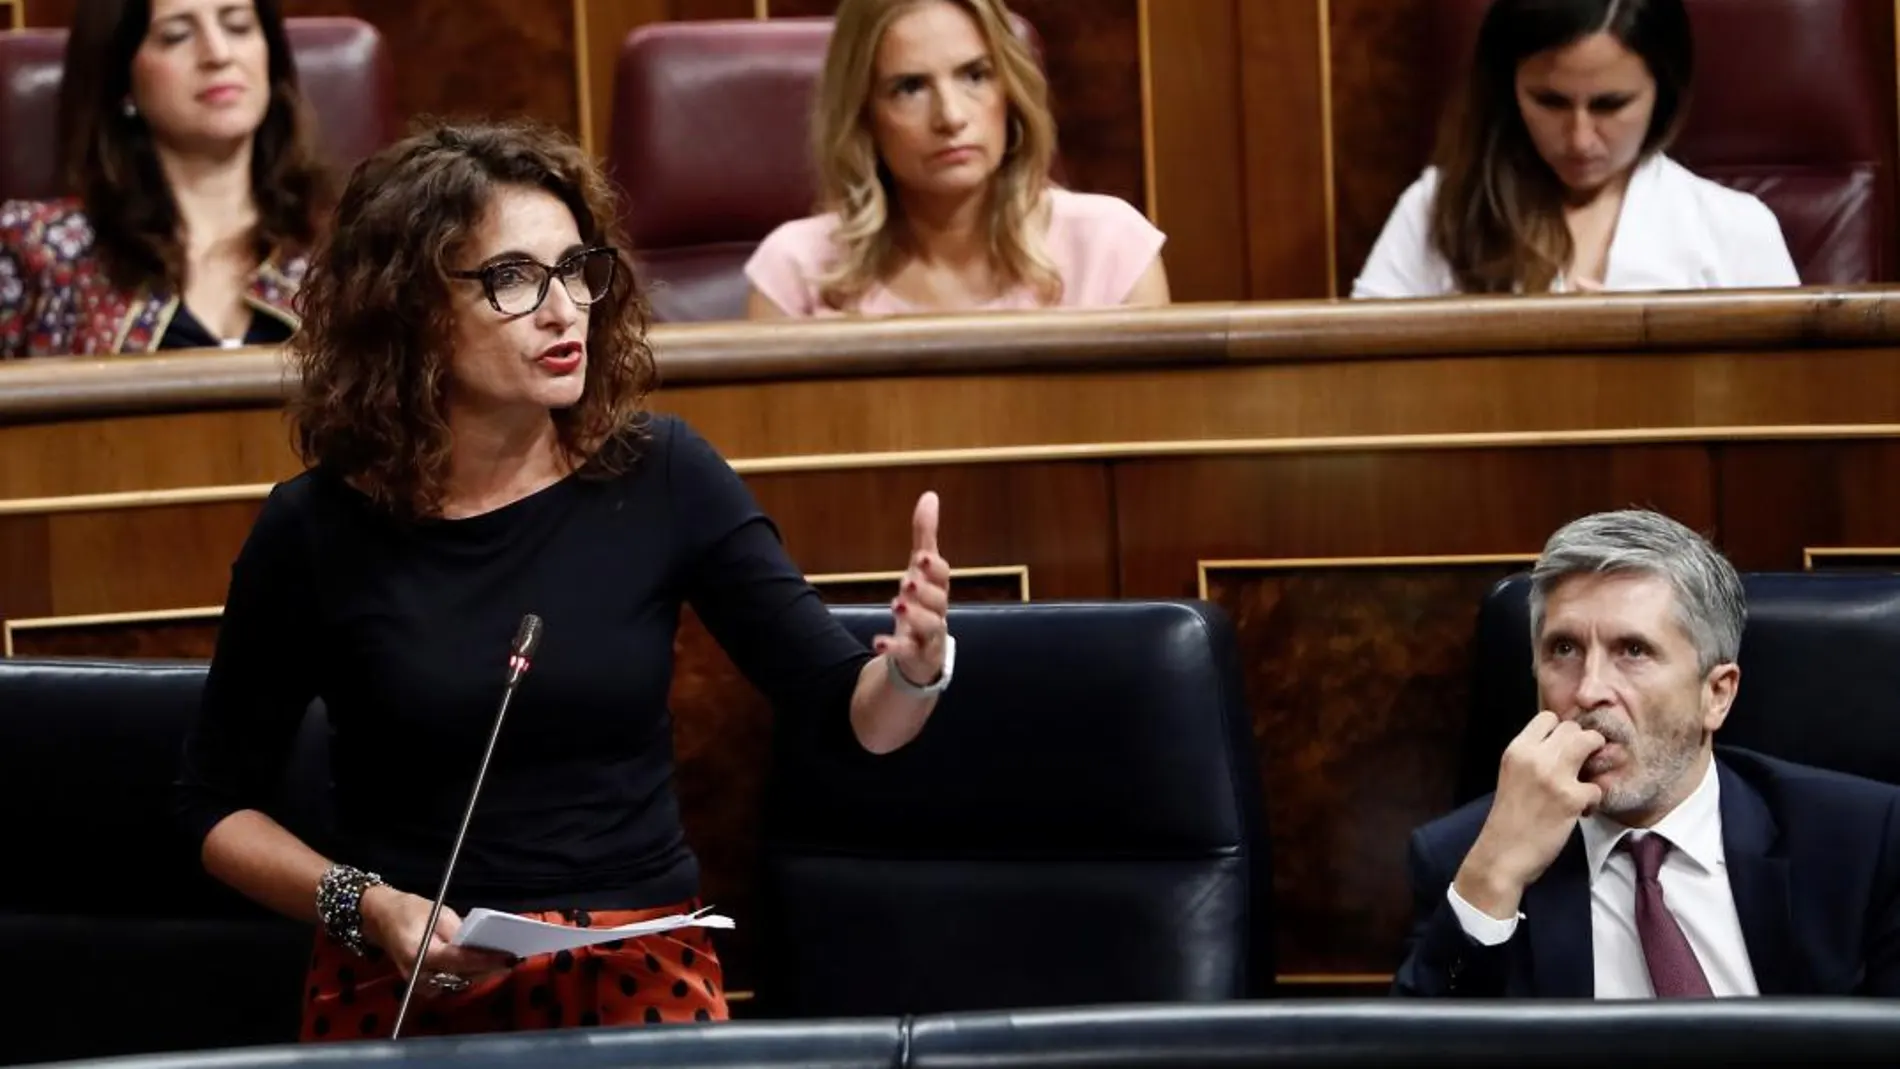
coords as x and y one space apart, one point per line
111 165
1497 218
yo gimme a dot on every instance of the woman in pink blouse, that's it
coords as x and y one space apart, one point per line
934 141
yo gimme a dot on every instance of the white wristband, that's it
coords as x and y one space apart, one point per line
943 677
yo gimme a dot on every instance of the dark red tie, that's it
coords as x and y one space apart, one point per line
1673 967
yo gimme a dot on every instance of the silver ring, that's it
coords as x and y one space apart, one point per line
444 981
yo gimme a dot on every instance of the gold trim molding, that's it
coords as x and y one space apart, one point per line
1144 65
583 74
135 499
1018 572
1028 454
1328 165
1289 564
8 628
1333 979
1811 554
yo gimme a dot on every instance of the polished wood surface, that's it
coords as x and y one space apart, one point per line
1345 480
959 352
1382 129
1196 115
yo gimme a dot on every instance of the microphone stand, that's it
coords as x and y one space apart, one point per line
526 639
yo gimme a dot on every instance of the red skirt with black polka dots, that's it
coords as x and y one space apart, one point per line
674 977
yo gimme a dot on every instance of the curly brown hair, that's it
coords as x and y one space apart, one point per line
111 165
374 350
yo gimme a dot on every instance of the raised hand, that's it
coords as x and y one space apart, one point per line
1539 798
923 598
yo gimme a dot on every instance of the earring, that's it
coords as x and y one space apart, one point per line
1015 138
129 109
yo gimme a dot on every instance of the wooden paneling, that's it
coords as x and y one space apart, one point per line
1781 499
119 560
1380 139
1319 405
162 558
25 564
173 637
146 453
1092 52
1297 376
1358 678
1176 513
447 53
48 12
984 586
1199 197
1051 518
1285 150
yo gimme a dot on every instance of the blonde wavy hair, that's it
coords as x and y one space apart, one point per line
854 183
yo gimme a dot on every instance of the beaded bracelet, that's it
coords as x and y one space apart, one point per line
340 904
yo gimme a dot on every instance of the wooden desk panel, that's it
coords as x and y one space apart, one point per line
1344 481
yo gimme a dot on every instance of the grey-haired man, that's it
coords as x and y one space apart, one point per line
1623 854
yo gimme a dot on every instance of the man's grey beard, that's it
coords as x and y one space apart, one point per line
1661 761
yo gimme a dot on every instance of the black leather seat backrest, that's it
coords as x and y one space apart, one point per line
1820 673
1079 822
120 942
91 747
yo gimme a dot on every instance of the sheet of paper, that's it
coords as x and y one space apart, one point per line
526 937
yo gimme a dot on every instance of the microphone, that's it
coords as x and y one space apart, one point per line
521 654
520 657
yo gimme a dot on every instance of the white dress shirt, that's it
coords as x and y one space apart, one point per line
1676 231
1694 879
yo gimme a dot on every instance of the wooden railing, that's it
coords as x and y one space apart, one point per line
1182 337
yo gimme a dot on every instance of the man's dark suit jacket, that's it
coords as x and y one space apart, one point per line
1813 860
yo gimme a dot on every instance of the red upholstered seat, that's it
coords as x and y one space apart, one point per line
1793 101
342 65
710 147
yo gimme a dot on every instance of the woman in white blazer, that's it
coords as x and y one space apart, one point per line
1551 173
